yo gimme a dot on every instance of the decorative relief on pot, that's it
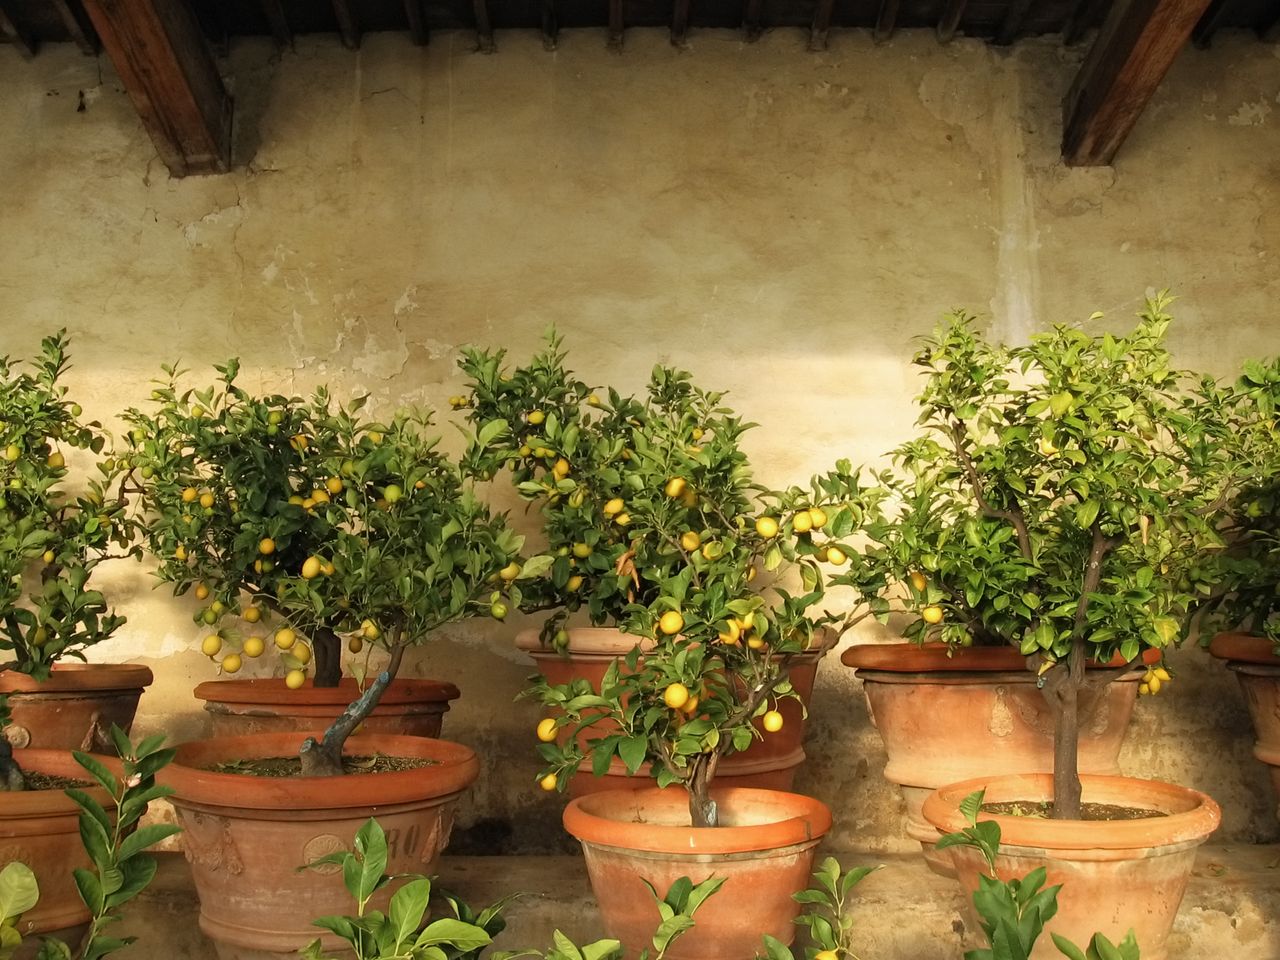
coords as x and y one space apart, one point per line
319 846
209 843
1101 719
17 736
1001 722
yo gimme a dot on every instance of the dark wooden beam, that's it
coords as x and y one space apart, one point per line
550 25
1011 25
751 20
616 25
165 65
214 25
886 20
679 22
821 28
78 26
17 35
484 27
347 25
1269 29
950 21
417 20
1202 35
1083 16
1134 50
273 10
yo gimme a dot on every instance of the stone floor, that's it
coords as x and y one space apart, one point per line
903 912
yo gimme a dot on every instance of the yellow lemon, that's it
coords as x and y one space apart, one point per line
690 541
772 721
206 500
285 638
189 495
767 527
614 506
510 571
802 522
310 568
547 729
211 645
231 663
818 517
536 417
301 652
581 550
295 679
675 696
574 583
836 557
548 782
918 582
671 622
254 646
266 546
202 591
675 486
333 485
931 614
355 644
252 614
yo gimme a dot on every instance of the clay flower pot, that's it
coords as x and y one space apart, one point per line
769 763
246 836
412 708
1251 659
765 851
1115 875
42 829
978 712
75 708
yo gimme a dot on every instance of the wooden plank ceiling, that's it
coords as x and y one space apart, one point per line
164 49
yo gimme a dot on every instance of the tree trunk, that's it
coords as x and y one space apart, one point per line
702 809
1066 737
328 651
323 757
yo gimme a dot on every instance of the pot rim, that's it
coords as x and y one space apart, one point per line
271 690
908 657
1244 648
80 677
458 766
53 803
802 820
1192 815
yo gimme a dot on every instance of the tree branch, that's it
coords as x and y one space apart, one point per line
1014 517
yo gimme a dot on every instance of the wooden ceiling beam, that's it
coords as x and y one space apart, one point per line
949 23
347 25
752 22
19 38
78 26
679 22
273 10
484 26
1011 25
616 24
886 20
162 58
1134 50
821 28
1077 24
1208 25
1269 29
550 25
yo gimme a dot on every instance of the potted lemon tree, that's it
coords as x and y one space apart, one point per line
408 549
1242 618
724 604
626 490
56 526
236 492
1063 501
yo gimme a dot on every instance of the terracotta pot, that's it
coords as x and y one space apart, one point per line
412 708
769 763
764 851
75 708
42 829
1251 659
246 836
978 712
1114 875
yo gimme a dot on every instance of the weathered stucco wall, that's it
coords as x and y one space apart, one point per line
779 222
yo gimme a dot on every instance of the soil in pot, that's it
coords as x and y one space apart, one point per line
245 836
1115 875
75 707
764 850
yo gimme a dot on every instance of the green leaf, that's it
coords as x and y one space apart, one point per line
536 566
971 805
18 890
144 837
407 908
491 431
632 751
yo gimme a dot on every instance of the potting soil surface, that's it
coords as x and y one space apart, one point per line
49 781
1043 809
292 766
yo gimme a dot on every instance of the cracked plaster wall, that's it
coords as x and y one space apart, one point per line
780 223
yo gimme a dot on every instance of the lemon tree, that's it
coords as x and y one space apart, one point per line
1063 497
300 523
55 526
656 527
1248 597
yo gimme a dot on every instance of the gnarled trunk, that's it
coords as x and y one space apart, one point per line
323 757
328 652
